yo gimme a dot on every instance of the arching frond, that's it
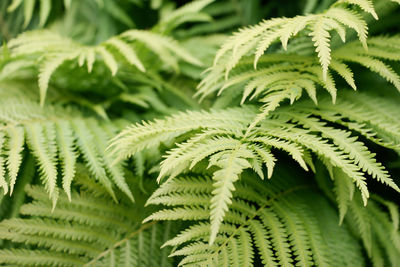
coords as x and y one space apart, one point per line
55 136
257 39
282 77
53 50
222 139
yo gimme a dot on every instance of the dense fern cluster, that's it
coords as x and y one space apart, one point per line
91 231
157 133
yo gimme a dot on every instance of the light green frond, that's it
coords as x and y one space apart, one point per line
259 38
52 50
275 220
293 149
45 72
374 65
355 149
67 153
365 5
101 135
266 156
90 153
291 129
344 71
231 166
344 191
189 12
3 182
147 135
161 45
352 20
55 136
321 37
37 142
45 8
178 159
108 59
127 52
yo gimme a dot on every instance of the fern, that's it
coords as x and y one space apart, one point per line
98 125
275 80
53 50
55 135
264 215
87 232
261 36
216 137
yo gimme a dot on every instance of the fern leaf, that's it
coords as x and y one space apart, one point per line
116 172
67 154
109 60
267 157
321 38
231 167
14 5
127 52
15 147
363 223
294 150
45 74
377 66
352 20
3 182
29 6
36 140
261 240
45 7
343 70
344 191
355 150
88 149
365 5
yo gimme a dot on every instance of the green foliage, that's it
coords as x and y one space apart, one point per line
283 222
284 76
108 159
318 26
55 136
221 138
53 50
90 231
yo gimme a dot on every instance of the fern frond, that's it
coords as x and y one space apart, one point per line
189 12
52 50
283 224
218 138
284 77
54 134
37 142
260 37
91 231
